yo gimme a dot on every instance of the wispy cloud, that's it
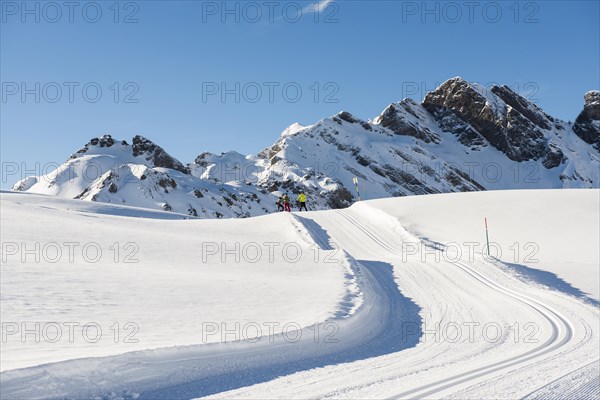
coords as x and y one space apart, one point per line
314 7
318 7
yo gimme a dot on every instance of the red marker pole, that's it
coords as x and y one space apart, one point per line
487 238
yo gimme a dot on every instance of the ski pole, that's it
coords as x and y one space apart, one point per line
355 180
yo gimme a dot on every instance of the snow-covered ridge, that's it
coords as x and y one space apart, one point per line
463 137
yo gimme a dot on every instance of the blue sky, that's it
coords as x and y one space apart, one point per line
161 66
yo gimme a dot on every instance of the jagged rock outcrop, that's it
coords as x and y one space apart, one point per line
587 124
155 154
103 141
502 125
405 118
529 110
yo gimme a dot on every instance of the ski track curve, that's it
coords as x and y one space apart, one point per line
425 371
374 330
558 323
194 371
560 327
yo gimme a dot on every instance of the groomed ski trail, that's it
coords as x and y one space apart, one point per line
426 371
375 355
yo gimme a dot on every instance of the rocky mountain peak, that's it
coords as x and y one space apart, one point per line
99 142
155 154
592 104
345 116
470 111
587 124
204 158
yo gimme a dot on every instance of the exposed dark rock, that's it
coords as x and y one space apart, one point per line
201 159
346 116
366 125
375 168
587 124
554 156
104 141
83 193
523 106
288 184
274 186
503 127
156 154
394 117
167 182
340 198
450 122
272 151
364 161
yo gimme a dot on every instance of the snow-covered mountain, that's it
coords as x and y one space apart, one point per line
462 137
142 174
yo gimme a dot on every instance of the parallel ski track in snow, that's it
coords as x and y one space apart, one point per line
193 371
562 329
571 388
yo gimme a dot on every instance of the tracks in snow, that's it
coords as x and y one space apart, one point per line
186 372
562 330
374 330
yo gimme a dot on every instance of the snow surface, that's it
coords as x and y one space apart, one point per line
169 290
555 231
394 276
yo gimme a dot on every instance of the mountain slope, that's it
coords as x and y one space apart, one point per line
144 175
463 137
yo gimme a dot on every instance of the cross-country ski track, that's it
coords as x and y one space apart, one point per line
429 325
